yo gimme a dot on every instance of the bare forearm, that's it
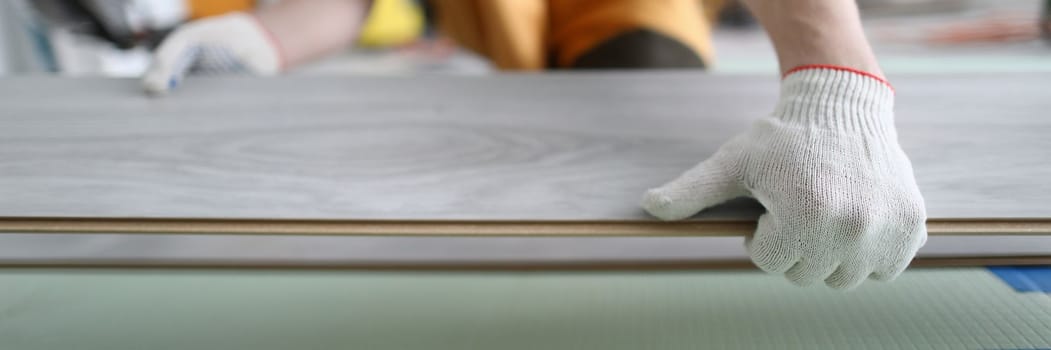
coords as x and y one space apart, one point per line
308 29
807 32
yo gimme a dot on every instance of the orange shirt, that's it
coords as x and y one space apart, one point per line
534 34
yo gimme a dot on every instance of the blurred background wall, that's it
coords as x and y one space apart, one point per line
114 37
23 46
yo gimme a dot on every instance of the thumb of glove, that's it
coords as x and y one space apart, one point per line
709 183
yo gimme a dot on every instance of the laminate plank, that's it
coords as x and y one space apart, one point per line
609 228
475 266
509 147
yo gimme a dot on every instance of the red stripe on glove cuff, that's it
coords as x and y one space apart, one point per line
282 61
839 68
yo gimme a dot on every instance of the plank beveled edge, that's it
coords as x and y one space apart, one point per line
597 228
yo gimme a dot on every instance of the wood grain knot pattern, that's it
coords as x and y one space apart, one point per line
444 155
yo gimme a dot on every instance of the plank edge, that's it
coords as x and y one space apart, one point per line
453 266
296 227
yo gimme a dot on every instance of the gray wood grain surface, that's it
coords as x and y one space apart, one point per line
526 147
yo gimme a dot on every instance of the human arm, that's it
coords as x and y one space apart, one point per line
268 41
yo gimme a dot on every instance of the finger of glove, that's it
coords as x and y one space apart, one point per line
172 61
770 248
707 184
809 271
901 259
848 275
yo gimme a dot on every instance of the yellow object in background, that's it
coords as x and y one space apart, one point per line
207 8
392 23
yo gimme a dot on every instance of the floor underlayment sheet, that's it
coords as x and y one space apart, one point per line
967 308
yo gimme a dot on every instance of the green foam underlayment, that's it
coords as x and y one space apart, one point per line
230 309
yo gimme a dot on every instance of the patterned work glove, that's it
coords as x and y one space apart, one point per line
842 203
230 43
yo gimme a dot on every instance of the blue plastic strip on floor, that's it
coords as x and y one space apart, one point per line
1025 278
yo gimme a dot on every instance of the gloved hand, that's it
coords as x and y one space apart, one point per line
230 43
842 203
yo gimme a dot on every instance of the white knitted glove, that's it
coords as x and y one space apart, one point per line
842 204
230 43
